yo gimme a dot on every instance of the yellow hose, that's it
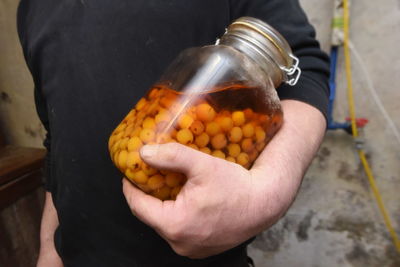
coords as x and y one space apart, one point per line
360 151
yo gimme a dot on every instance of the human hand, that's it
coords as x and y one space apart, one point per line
222 204
216 210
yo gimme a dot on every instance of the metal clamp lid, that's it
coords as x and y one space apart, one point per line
293 73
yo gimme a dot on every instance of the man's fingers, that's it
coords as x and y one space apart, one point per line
147 208
176 157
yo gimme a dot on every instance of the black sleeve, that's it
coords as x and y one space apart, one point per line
40 102
289 19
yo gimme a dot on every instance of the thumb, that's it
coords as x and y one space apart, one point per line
176 157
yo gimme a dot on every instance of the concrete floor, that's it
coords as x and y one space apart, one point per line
335 220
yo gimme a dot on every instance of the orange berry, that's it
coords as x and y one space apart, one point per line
185 121
260 134
197 127
218 154
156 182
136 131
163 138
248 130
133 160
205 112
219 141
147 135
141 104
149 123
147 169
162 193
124 143
123 155
173 179
231 159
233 150
260 146
194 146
134 144
242 159
253 155
154 93
235 134
238 118
145 188
175 191
205 150
248 114
247 145
226 123
213 128
140 177
202 140
184 136
162 116
120 128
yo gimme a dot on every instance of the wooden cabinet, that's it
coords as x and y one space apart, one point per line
21 202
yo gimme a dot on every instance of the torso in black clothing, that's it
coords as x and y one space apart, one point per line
91 60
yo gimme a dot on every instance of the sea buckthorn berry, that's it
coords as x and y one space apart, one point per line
154 93
263 118
134 144
213 128
205 150
111 142
248 114
202 140
162 116
163 138
141 104
173 179
167 101
131 114
235 135
147 169
238 118
205 112
162 193
260 134
133 160
194 146
149 123
147 135
242 159
247 145
226 124
164 172
260 146
123 155
234 150
173 133
184 136
218 154
124 143
115 159
175 191
136 131
253 155
130 174
120 128
197 127
219 141
248 130
231 159
144 187
115 147
185 121
128 130
140 177
156 182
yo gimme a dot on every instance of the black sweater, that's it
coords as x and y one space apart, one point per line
91 60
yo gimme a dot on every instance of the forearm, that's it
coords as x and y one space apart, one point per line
48 256
282 165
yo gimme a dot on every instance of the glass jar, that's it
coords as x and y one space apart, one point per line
219 99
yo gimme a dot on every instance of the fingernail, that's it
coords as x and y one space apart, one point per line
148 151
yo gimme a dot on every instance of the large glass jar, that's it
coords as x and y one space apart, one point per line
219 99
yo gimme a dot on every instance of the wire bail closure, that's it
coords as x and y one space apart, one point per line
293 73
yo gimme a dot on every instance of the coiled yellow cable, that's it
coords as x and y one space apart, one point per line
360 151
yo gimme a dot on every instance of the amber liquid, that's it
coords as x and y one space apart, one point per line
234 122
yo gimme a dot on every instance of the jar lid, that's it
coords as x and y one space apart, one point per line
271 42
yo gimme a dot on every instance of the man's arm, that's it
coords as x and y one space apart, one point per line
222 204
48 256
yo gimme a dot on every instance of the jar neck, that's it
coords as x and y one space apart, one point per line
265 46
